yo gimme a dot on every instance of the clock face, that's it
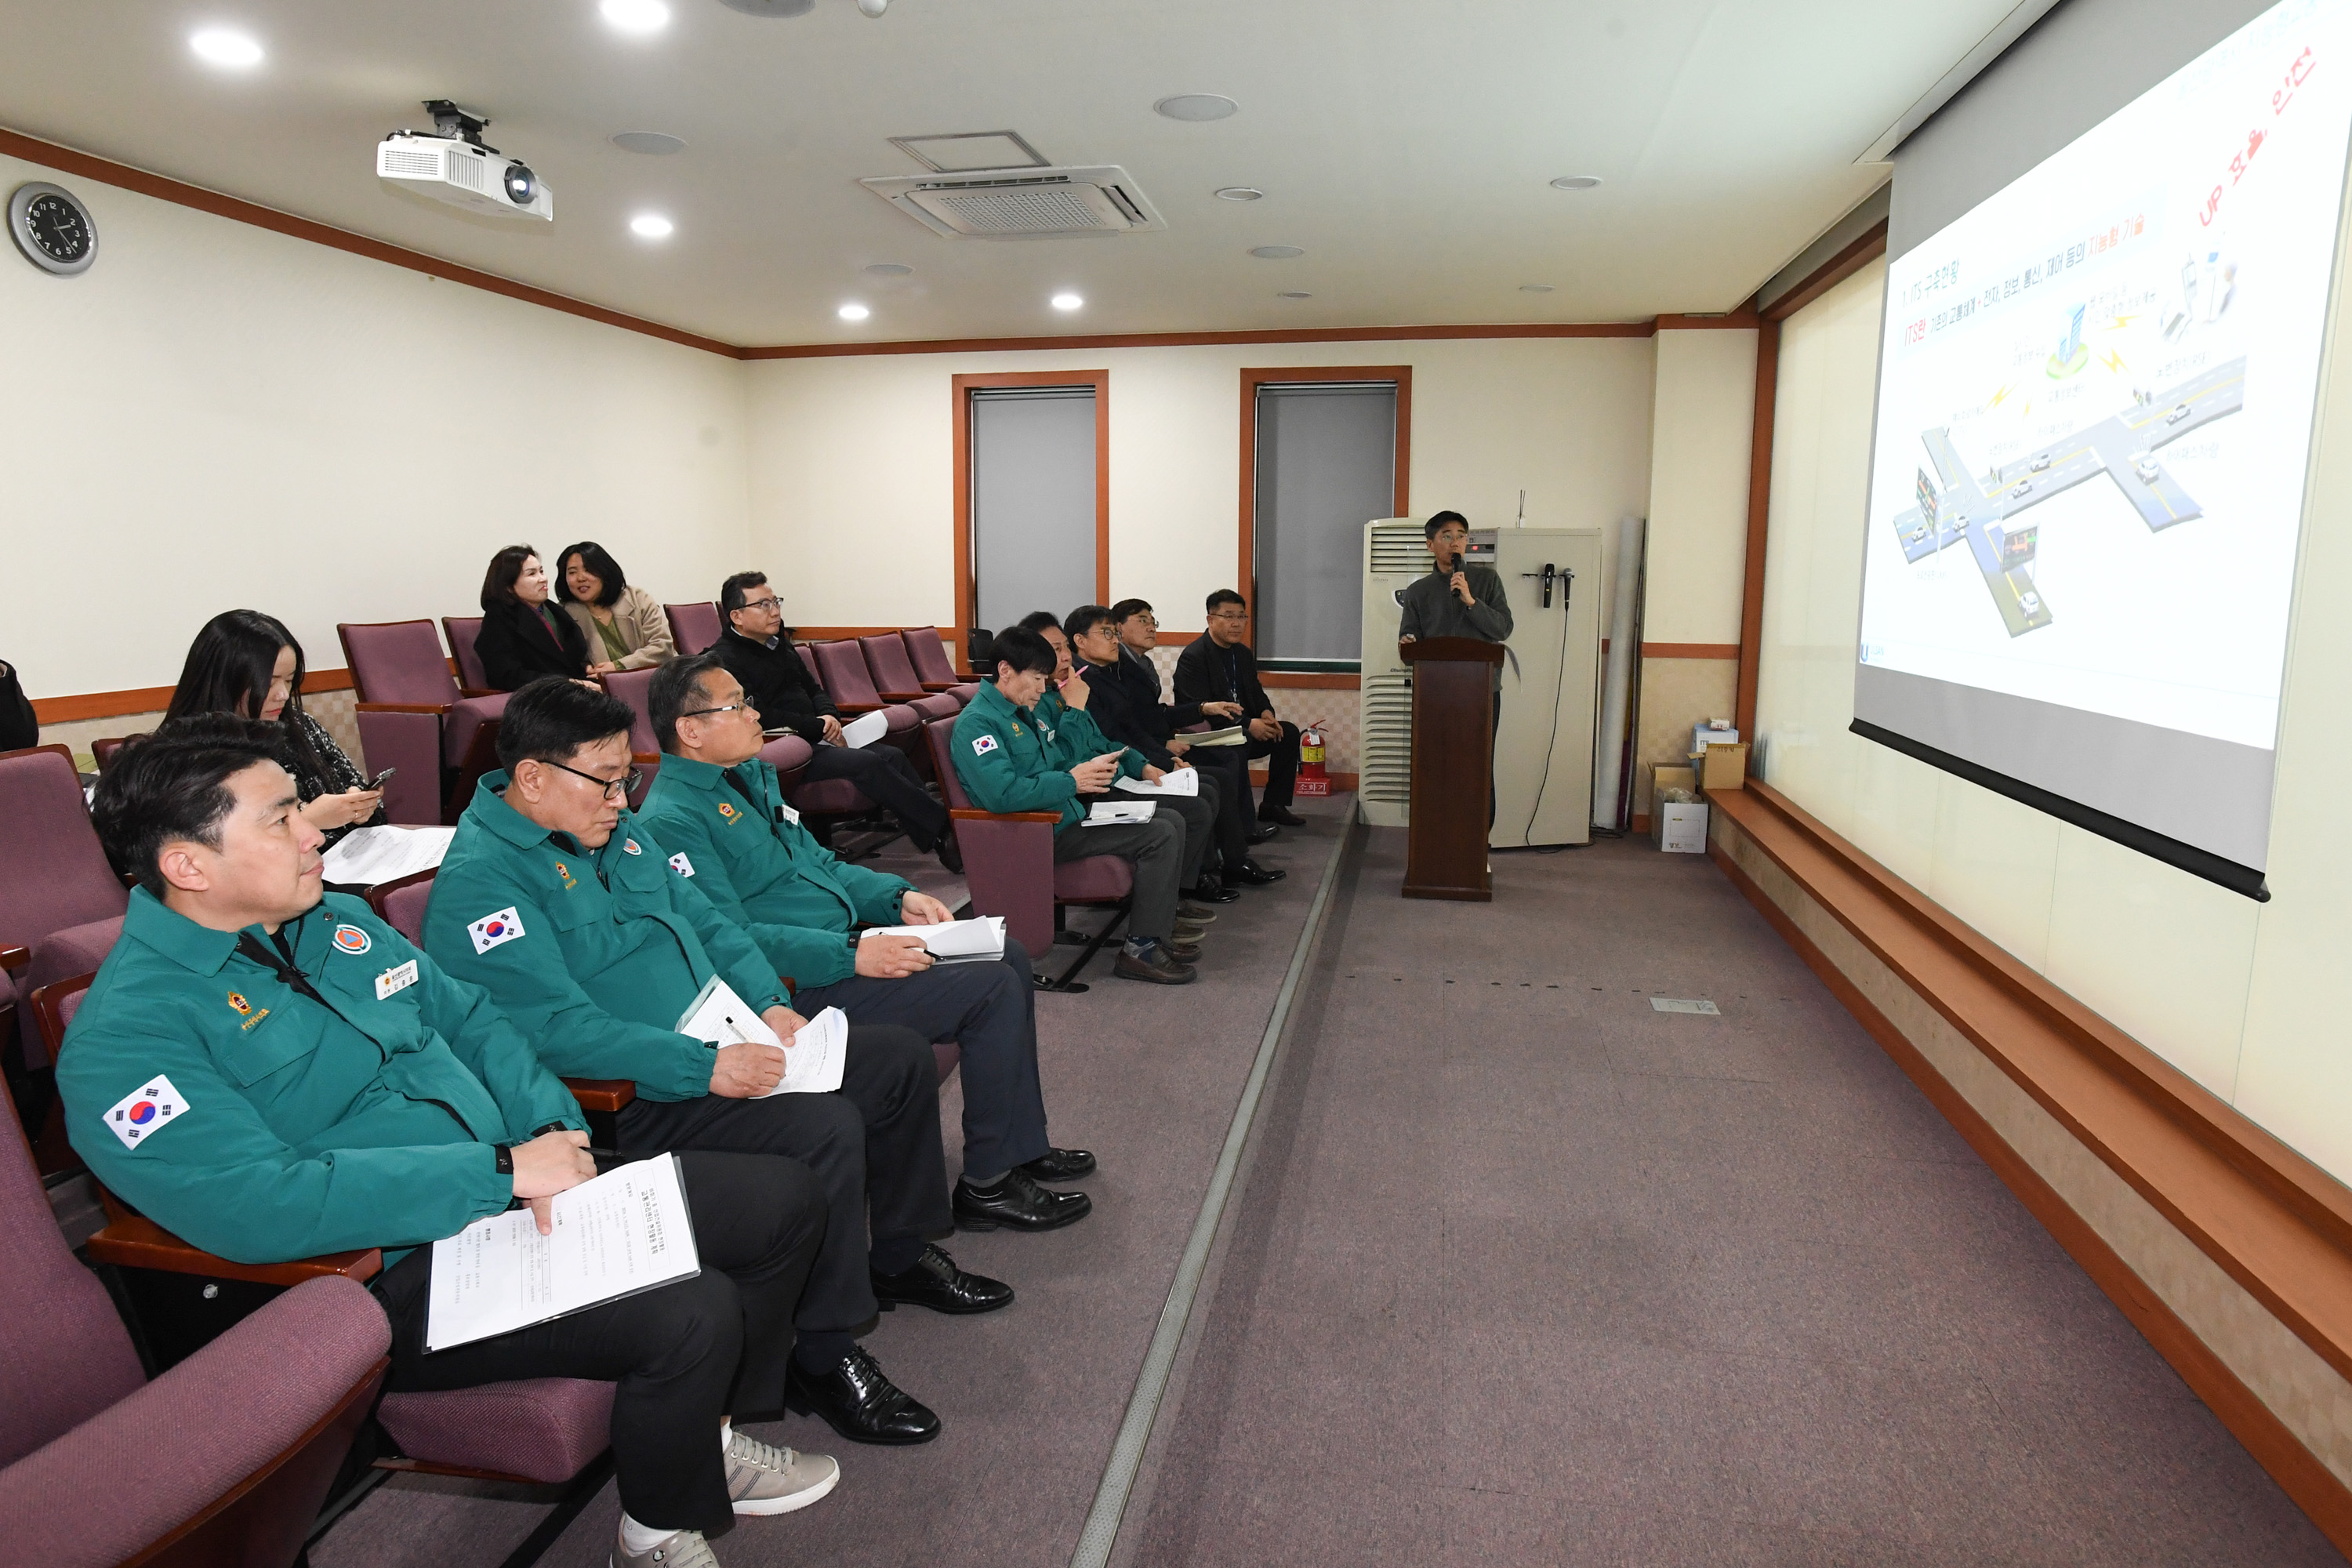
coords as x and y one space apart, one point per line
52 228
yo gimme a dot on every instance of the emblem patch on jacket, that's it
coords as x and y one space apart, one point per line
491 930
352 940
629 846
564 871
138 1114
984 745
681 865
247 1010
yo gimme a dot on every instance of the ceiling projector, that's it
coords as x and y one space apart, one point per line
453 165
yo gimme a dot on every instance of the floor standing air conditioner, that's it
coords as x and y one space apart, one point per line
1543 753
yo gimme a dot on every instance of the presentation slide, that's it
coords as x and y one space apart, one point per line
2093 426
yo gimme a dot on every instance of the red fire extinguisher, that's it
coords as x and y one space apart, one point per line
1312 779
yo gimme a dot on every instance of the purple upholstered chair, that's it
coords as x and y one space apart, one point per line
60 903
103 751
894 678
462 632
96 1463
789 754
412 715
693 627
633 687
842 668
928 651
1008 864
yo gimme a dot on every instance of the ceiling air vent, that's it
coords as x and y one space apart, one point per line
1020 204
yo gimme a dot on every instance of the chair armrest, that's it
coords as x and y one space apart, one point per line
15 957
861 707
479 691
967 813
434 707
134 1241
935 687
601 1093
902 696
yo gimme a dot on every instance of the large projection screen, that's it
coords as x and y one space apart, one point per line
2094 422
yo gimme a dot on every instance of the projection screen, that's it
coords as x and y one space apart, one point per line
2095 410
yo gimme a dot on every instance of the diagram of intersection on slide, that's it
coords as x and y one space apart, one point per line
1984 506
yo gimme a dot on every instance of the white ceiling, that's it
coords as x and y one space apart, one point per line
1405 145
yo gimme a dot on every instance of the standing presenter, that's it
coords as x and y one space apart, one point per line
1455 599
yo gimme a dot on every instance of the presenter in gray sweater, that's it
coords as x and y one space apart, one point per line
1454 599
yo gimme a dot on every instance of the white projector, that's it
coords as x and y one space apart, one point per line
464 173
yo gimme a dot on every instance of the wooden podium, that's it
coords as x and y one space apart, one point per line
1453 767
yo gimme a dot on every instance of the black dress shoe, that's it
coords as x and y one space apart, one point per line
1281 813
1207 890
1060 1165
950 853
935 1282
1253 874
856 1400
1018 1203
1262 831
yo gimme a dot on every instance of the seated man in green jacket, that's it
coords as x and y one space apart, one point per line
561 906
271 1075
720 813
1006 765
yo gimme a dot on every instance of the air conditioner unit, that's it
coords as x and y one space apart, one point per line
1020 204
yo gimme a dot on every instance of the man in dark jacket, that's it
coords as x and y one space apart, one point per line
758 654
1223 668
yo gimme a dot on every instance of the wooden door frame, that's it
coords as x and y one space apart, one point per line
967 584
1251 380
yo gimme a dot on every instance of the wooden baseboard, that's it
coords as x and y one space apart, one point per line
151 700
2267 1217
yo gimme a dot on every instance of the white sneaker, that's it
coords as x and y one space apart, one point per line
763 1479
686 1549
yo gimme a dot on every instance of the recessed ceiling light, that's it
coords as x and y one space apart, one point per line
1535 287
1196 106
651 226
1293 294
1241 194
635 15
852 312
890 269
1576 182
218 45
652 143
1276 252
1067 302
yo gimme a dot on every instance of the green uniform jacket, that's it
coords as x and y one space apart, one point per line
1007 763
593 953
748 854
302 1129
1073 737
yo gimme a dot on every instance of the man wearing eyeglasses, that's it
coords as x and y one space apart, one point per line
1223 668
556 901
757 651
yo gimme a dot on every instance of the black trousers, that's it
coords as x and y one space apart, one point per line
1281 764
683 1355
1154 852
885 777
988 1009
873 1149
1227 767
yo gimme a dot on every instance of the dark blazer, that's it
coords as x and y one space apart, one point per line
1123 700
18 728
779 684
516 647
1205 673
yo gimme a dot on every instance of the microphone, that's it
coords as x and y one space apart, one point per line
1456 566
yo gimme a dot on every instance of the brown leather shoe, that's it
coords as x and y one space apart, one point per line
1161 969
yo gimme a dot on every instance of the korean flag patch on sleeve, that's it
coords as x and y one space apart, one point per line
146 1110
491 930
984 745
681 865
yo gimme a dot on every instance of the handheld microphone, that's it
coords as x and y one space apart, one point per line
1456 566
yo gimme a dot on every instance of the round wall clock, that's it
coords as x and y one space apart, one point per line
52 228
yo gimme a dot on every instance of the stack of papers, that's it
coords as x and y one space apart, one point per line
370 857
978 941
625 1231
1232 735
812 1065
1175 781
865 731
1111 812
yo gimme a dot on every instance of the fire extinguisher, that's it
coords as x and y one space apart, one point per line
1312 779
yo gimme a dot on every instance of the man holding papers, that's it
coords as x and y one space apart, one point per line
271 1076
561 905
720 812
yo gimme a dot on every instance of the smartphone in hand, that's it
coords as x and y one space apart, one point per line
377 782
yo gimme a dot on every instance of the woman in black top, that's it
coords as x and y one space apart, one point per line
523 636
249 664
19 730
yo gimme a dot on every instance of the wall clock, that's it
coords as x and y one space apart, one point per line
52 228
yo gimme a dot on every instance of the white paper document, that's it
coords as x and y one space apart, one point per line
1232 735
370 857
1175 781
866 730
625 1231
956 942
1110 812
812 1065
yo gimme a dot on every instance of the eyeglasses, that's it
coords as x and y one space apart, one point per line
770 603
1146 620
731 708
614 789
1231 615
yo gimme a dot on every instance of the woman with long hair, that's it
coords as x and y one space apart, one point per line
623 624
249 664
523 635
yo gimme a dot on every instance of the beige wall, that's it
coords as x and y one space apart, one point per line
2239 996
852 458
216 416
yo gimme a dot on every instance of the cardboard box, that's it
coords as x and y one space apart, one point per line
1702 736
1679 829
1724 767
1663 778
